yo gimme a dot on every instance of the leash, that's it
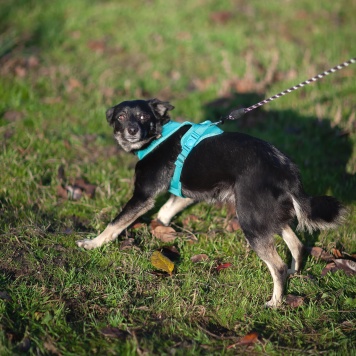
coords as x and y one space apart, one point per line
237 114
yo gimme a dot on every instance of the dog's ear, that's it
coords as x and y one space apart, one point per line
161 108
109 115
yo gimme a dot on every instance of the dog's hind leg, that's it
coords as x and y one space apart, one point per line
173 206
266 250
295 247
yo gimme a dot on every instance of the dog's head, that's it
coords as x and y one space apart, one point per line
138 122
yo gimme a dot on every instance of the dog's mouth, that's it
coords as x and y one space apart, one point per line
133 139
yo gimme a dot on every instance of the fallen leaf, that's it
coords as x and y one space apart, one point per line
199 258
111 331
294 301
154 223
233 225
329 267
162 262
164 233
223 266
51 348
73 84
220 17
97 46
89 189
62 192
13 115
348 266
336 253
248 339
319 253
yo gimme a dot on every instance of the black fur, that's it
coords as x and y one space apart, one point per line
260 181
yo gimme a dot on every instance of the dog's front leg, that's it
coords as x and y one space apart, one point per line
173 206
134 208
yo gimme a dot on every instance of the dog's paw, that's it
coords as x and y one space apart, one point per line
273 304
86 243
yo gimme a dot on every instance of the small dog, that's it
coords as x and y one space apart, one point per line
260 181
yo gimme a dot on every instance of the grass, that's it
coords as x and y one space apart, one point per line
62 64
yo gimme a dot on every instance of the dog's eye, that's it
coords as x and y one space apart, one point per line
121 117
143 117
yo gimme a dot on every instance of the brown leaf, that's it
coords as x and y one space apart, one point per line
233 225
246 340
154 223
220 17
319 253
336 253
51 348
13 115
294 301
89 189
33 62
199 258
111 331
62 192
348 266
97 46
223 266
249 339
165 233
329 267
20 71
73 84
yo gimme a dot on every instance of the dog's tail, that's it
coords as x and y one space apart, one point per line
318 213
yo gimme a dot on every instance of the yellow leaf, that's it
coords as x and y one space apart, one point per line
162 262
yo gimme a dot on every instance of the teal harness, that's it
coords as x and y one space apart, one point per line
191 138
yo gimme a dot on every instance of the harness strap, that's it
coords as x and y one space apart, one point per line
167 130
192 137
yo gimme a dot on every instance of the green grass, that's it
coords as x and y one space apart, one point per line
62 64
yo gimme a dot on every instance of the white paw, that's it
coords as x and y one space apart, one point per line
273 304
86 243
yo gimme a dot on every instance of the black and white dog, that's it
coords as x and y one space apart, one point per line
260 181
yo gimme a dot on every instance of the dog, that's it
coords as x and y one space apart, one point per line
261 182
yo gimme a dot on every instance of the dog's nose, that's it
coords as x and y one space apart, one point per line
132 130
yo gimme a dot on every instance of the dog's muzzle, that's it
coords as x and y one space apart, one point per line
133 133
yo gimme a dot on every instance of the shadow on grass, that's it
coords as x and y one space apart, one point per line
320 150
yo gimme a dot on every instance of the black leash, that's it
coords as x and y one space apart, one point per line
237 114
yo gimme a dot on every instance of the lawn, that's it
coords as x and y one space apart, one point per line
62 64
